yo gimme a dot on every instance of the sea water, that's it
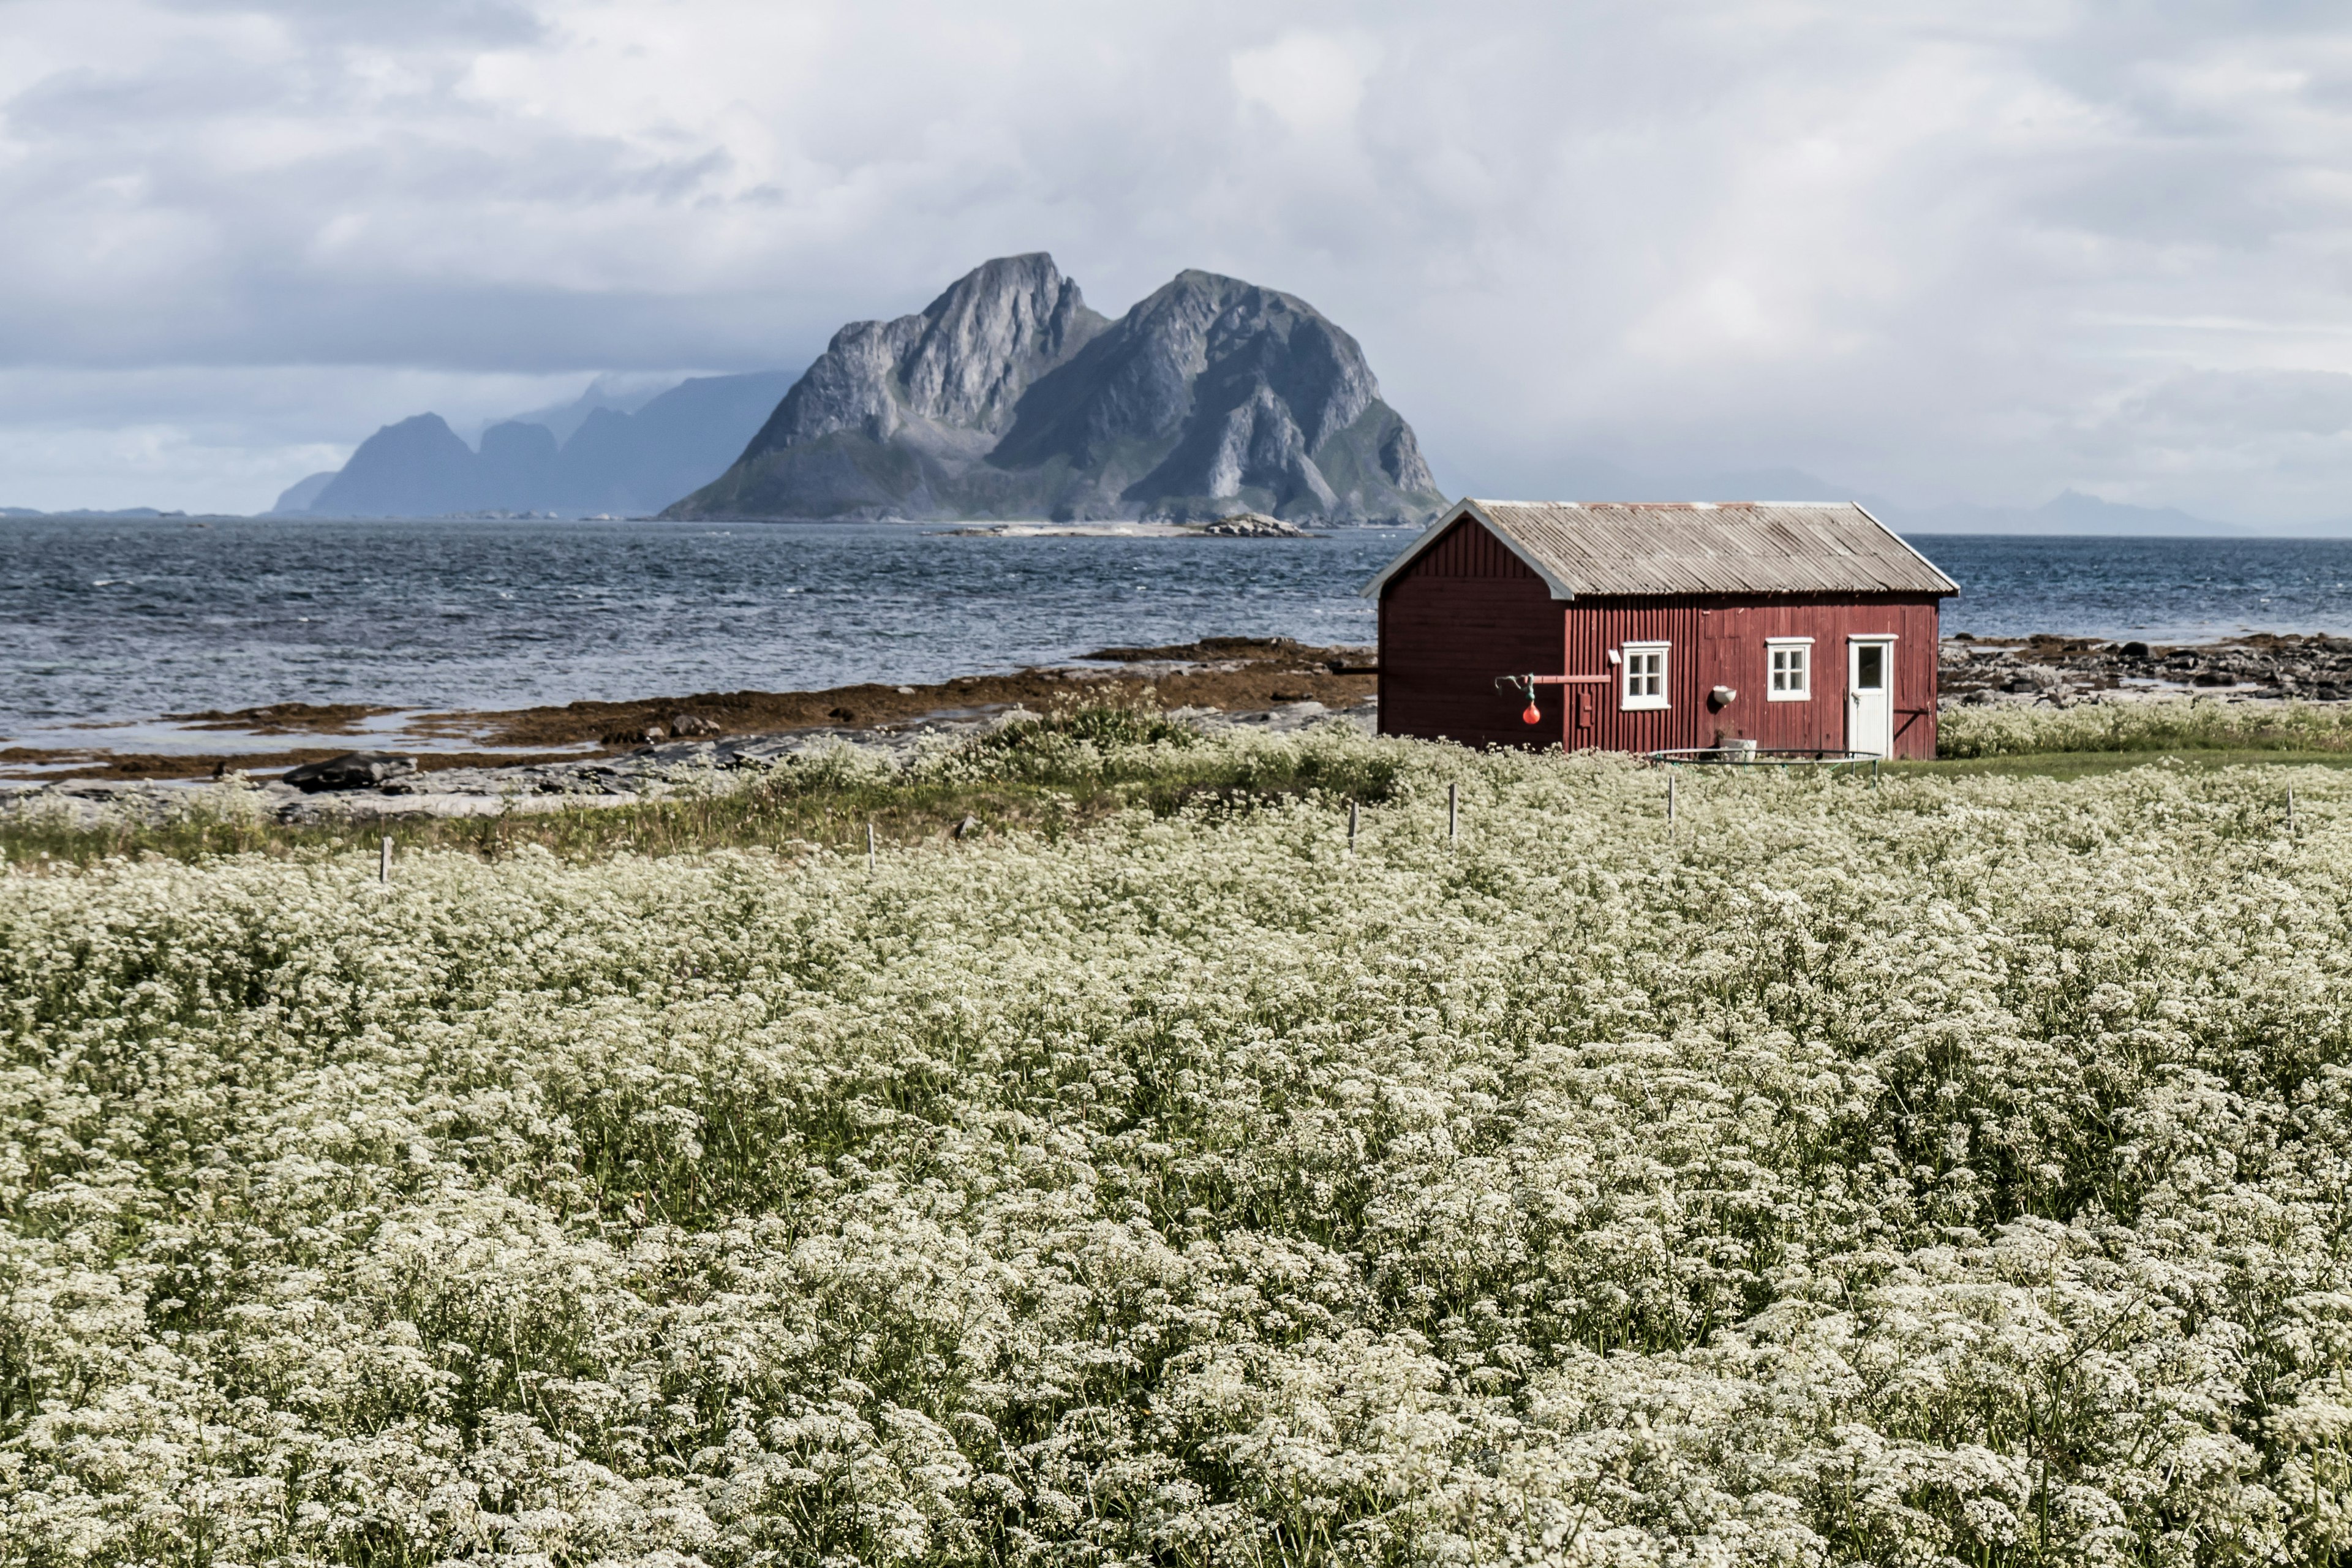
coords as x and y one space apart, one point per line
118 622
108 621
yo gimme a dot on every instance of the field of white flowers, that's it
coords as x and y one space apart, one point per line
1955 1171
2123 722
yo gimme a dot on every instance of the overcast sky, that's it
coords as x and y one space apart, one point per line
1975 251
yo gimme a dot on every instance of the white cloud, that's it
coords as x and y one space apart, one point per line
1935 251
1309 81
169 467
222 438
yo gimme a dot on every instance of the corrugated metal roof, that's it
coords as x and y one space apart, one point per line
1697 547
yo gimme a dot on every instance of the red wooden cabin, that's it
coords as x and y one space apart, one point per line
1655 626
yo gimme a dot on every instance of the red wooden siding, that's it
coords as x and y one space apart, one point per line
1465 611
1717 642
1469 610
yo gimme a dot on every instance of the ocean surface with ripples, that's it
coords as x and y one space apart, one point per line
115 621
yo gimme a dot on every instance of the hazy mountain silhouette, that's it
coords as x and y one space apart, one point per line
614 462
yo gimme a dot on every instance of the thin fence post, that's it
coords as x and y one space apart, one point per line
869 848
1672 776
2290 811
1453 814
383 863
1353 810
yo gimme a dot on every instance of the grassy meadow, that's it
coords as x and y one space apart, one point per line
1953 1170
2203 726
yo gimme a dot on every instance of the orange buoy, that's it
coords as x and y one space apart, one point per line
1534 715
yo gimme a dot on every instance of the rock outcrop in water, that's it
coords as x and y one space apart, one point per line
1007 396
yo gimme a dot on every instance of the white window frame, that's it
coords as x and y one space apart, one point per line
1800 693
1631 702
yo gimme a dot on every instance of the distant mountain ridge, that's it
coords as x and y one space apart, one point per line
2070 512
563 419
2073 512
621 463
1009 396
136 513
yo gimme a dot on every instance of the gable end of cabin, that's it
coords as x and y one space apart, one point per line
1462 611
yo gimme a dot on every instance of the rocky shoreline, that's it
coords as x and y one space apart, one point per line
649 773
1240 525
650 750
1976 671
1228 675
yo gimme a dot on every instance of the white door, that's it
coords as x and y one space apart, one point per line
1870 696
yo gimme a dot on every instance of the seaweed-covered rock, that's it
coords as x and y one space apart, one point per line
353 770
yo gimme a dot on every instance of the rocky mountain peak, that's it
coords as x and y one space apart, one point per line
956 370
1247 384
1006 396
1241 333
990 336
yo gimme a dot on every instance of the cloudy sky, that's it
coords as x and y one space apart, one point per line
1977 251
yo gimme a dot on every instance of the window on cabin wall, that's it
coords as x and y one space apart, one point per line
1788 670
1643 680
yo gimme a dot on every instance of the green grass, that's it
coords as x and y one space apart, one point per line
1047 775
2196 724
753 818
1068 770
2088 765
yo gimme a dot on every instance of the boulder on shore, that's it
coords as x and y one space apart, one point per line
353 770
